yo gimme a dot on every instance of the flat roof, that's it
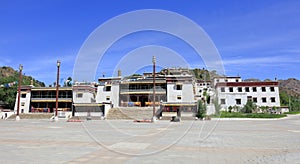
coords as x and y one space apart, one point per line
241 84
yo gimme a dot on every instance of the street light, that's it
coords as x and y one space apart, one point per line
19 91
57 85
154 62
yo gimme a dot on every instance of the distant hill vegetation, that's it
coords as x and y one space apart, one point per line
9 85
291 86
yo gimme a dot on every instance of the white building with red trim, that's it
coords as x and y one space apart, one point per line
232 91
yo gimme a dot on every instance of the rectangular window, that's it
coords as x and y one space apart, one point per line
247 89
108 88
254 99
230 89
178 87
238 101
272 89
273 99
79 95
263 89
22 103
254 89
240 89
249 98
23 95
264 100
223 101
178 97
222 89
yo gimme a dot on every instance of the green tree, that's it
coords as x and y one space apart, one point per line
68 82
284 98
8 93
249 107
230 108
201 109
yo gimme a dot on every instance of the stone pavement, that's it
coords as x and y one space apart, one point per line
123 141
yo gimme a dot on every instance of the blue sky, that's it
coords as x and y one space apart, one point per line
259 39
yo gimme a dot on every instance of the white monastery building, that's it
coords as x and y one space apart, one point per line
177 91
232 91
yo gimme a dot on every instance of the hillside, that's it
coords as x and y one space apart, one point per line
9 83
291 86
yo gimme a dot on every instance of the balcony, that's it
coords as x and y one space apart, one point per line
142 91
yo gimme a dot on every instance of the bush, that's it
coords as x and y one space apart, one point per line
250 115
292 112
249 107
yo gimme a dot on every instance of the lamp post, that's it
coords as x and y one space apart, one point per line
57 86
19 91
153 104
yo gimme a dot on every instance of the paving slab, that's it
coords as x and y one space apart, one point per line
125 141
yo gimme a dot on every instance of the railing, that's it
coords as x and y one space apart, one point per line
47 110
138 103
51 96
66 99
143 90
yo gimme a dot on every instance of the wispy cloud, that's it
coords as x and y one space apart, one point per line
274 60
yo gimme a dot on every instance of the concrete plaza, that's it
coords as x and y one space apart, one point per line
123 141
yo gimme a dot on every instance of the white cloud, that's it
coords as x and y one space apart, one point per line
274 60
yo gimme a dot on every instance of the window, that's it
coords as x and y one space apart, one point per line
254 89
236 80
22 103
222 89
264 100
254 99
240 89
247 89
23 95
238 101
230 89
272 89
223 101
178 97
79 95
273 99
200 90
249 98
263 89
107 88
178 87
107 98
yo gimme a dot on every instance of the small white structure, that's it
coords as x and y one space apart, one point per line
25 98
108 91
84 93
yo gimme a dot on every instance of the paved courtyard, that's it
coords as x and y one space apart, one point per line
120 141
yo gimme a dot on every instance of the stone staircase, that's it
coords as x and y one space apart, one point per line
130 113
33 116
